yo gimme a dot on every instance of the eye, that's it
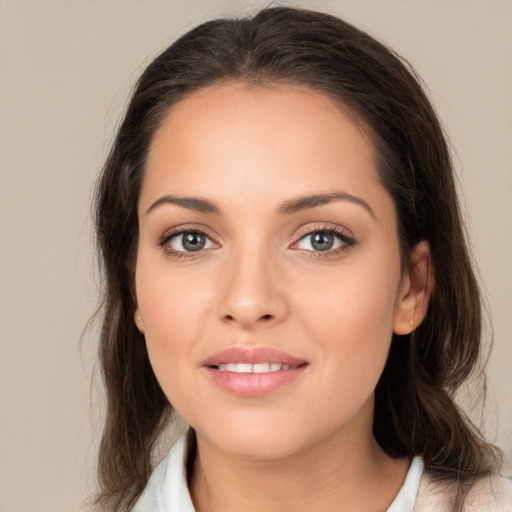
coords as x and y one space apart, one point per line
319 241
324 240
187 241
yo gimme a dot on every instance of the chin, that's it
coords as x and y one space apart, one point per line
258 440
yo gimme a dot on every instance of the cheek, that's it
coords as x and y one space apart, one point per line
350 315
168 295
173 308
361 295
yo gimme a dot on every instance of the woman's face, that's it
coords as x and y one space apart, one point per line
268 276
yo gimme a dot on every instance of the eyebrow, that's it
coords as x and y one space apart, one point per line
311 201
287 208
190 203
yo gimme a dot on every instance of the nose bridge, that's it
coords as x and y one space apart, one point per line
249 287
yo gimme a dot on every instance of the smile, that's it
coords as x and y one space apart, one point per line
250 372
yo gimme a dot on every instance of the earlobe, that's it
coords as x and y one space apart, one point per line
138 320
136 315
416 289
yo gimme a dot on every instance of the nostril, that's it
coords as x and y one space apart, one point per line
248 319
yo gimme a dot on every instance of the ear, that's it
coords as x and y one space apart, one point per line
136 315
416 288
138 320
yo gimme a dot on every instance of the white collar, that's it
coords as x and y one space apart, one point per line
167 489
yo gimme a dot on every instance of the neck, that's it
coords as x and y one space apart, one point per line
333 475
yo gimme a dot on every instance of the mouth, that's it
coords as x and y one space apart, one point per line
253 371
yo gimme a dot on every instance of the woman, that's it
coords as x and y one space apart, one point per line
285 266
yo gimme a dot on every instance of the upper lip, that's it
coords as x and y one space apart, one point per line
252 355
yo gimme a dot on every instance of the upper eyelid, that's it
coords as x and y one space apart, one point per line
323 226
299 234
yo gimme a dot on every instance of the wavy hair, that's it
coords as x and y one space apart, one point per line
415 412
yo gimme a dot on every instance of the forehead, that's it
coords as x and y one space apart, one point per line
241 140
271 107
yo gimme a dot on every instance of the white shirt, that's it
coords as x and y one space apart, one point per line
167 490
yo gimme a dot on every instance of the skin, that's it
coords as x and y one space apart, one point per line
259 282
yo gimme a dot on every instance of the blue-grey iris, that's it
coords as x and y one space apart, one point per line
193 241
322 241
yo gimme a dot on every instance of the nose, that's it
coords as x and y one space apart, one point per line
252 291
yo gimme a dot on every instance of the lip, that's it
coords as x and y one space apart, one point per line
253 384
252 355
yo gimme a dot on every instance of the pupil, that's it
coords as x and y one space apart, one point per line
322 241
193 241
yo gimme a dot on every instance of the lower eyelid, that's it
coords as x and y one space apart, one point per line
329 254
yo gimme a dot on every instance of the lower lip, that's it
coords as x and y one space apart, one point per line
254 384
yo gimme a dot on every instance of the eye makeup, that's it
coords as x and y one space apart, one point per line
187 241
324 241
320 240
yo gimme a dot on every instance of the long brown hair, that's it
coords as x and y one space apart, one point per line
415 413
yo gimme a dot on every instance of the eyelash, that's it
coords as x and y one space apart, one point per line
347 241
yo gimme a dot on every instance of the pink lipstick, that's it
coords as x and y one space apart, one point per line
253 371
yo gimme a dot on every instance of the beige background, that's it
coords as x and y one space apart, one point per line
65 72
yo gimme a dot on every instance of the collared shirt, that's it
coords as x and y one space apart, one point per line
167 490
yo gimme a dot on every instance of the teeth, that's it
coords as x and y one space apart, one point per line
252 368
260 368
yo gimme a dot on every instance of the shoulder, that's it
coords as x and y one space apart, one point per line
489 494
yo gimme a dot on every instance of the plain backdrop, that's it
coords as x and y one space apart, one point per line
66 69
